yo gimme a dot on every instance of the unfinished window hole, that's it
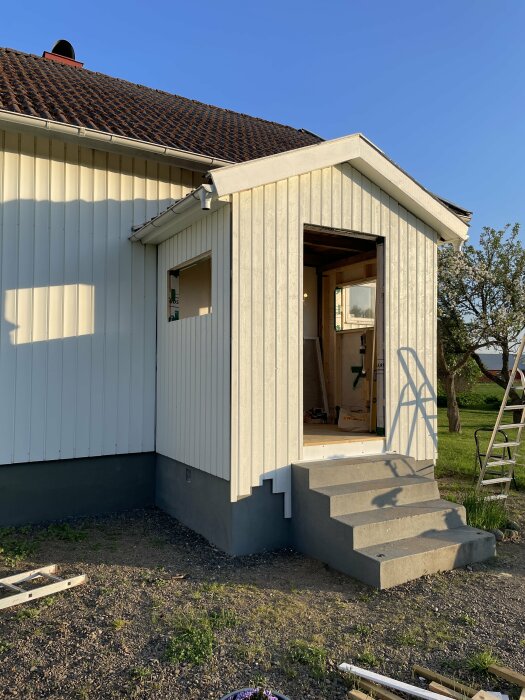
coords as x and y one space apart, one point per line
189 289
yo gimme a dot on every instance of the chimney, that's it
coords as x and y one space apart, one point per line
63 52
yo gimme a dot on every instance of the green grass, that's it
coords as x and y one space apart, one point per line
193 641
368 658
488 389
222 619
312 656
119 624
482 660
483 514
457 451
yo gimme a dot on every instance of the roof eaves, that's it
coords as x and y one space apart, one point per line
365 157
101 138
178 216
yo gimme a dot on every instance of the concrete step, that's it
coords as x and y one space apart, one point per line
400 522
356 497
392 563
354 469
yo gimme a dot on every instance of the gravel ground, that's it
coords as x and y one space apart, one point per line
280 619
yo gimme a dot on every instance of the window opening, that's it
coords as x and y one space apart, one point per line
189 290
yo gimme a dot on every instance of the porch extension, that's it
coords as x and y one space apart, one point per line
381 520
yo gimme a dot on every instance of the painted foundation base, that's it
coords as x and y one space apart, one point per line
48 491
202 502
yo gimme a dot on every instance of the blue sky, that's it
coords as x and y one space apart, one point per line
438 85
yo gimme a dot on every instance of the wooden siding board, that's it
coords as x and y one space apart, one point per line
245 348
281 326
257 358
53 416
295 274
26 241
111 311
66 215
41 271
339 197
192 376
269 327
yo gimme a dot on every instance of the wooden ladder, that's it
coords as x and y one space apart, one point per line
502 478
19 594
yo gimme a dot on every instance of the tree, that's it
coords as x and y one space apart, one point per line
481 294
502 299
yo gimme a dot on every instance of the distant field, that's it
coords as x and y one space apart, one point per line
456 452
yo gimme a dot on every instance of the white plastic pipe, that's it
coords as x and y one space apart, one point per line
390 682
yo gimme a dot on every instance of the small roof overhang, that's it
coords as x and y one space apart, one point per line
354 149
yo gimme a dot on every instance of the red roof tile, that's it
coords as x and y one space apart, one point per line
44 88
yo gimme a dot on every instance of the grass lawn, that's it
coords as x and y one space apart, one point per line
457 451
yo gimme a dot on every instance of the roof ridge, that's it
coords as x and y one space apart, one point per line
60 66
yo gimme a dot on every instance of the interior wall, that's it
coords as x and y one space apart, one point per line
341 349
310 325
195 290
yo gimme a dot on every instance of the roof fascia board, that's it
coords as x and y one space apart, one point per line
110 142
263 171
365 157
408 192
176 218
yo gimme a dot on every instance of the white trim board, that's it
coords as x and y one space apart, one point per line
364 156
339 450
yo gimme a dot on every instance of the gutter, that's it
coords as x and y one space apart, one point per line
102 137
177 216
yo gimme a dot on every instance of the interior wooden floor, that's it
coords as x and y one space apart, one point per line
323 434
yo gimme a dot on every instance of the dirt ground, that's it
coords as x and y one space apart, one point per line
139 630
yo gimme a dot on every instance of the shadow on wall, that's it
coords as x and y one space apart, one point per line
77 307
416 404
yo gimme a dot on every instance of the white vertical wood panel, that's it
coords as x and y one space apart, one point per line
340 197
66 213
257 322
193 358
26 241
40 350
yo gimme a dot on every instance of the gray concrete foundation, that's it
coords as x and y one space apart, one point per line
202 502
46 491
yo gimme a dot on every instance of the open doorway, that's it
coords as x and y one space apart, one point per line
343 383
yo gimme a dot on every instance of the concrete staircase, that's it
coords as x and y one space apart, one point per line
381 520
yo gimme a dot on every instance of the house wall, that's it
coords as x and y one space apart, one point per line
193 355
267 308
78 299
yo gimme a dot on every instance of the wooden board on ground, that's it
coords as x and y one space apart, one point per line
377 691
358 695
447 692
444 680
485 695
508 675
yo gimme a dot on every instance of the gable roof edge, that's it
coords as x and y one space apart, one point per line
365 157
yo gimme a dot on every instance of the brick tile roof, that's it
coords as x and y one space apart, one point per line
39 87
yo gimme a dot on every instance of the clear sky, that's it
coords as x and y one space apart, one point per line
437 84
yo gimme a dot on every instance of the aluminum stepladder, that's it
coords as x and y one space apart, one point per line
19 594
502 478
